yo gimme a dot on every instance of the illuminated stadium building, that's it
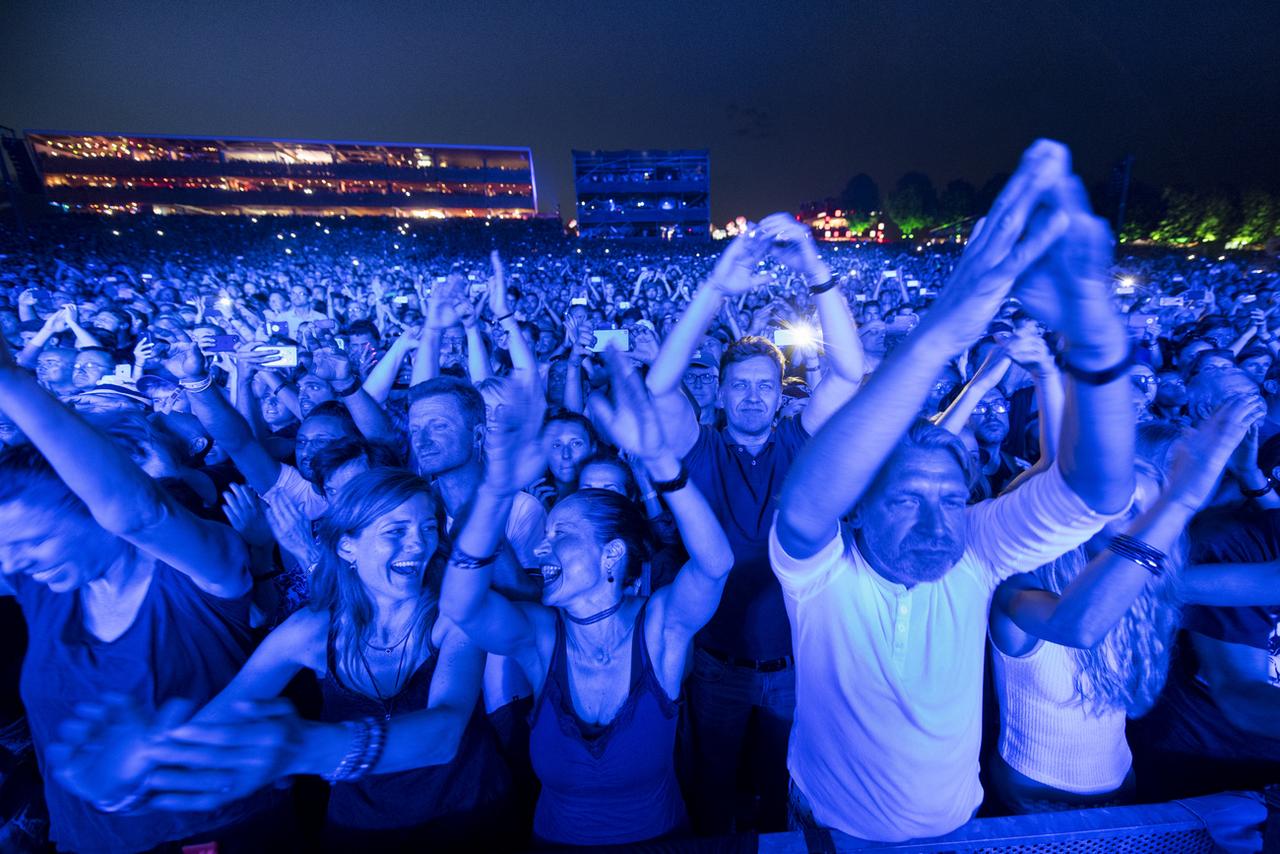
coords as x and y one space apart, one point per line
643 194
233 175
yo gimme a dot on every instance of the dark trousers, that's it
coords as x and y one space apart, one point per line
741 721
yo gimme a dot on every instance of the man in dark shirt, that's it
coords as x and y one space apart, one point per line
743 682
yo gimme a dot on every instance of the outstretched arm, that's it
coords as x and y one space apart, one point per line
954 418
1105 590
512 459
633 424
838 464
122 497
734 274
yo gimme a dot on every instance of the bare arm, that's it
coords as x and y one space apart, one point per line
383 376
122 497
838 464
954 418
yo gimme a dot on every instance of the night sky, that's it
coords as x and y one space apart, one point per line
792 98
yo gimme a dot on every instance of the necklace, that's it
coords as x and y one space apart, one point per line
594 618
395 686
392 647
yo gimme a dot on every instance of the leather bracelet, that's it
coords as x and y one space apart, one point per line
680 481
1104 376
504 317
349 390
1259 492
823 287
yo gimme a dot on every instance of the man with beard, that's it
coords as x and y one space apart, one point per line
446 435
890 628
989 422
742 687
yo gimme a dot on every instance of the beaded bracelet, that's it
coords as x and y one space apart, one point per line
1130 548
360 741
464 561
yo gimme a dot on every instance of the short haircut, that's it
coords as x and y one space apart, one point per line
568 416
749 347
1204 390
469 401
1197 364
363 327
924 435
334 409
337 454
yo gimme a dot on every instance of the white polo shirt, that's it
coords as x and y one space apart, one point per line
889 679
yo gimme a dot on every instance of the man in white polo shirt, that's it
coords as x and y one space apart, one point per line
889 629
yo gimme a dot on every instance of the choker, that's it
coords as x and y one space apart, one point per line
594 618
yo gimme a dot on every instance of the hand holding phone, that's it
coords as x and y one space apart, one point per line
620 338
280 357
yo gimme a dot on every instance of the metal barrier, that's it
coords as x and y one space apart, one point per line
1230 820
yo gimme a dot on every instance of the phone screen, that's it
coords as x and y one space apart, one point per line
285 357
620 338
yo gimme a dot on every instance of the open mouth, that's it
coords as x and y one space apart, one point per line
406 567
551 574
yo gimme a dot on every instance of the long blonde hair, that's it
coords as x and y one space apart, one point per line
1127 669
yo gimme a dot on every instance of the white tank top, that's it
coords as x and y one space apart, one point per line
1047 734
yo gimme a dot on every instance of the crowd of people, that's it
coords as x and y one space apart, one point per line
471 535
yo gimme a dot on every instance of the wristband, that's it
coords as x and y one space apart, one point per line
680 481
1259 492
822 287
197 385
504 317
464 561
1104 376
348 391
1130 548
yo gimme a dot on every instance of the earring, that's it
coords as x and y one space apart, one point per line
610 576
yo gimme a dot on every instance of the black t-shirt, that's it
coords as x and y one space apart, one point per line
743 490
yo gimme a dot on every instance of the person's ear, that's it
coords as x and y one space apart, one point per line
613 553
346 549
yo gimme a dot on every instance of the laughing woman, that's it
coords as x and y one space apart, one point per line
606 667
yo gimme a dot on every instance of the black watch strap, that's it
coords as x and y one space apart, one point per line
680 481
1104 376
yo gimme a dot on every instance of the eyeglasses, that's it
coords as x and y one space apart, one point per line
1143 381
699 379
996 408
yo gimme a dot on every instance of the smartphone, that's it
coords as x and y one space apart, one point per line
285 357
327 323
595 280
1124 290
912 283
1172 302
890 274
146 276
1141 321
111 280
478 288
620 338
860 297
1248 298
787 338
124 373
340 343
624 305
224 344
401 300
579 301
275 328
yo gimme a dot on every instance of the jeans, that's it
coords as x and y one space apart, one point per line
741 720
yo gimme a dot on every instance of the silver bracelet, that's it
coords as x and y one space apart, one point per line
197 385
1130 548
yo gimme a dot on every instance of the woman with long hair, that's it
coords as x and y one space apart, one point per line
1083 643
606 667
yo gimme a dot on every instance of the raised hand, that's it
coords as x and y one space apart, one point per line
441 313
185 361
331 365
247 514
1031 352
292 530
513 455
1020 228
499 299
644 344
630 421
736 270
792 244
143 351
1200 458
